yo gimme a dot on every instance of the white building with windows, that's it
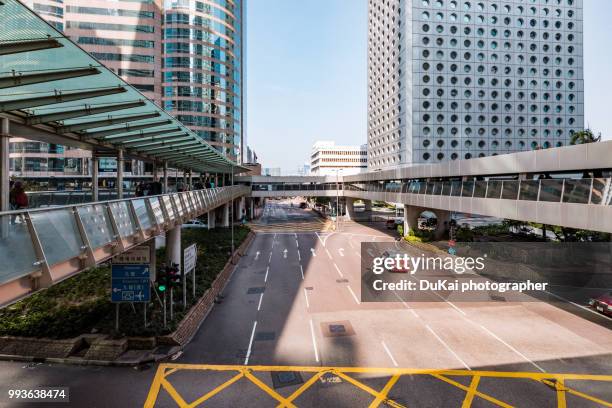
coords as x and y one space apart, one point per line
457 79
327 158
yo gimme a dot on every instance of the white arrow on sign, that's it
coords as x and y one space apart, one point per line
313 252
256 255
341 250
116 290
285 253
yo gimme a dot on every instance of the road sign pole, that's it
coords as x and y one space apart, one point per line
116 317
184 290
165 320
194 282
171 303
144 305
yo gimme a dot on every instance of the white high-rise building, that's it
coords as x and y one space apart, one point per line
457 79
326 159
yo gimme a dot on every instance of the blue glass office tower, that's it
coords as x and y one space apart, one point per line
203 70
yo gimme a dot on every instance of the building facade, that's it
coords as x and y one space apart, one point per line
326 159
203 70
457 79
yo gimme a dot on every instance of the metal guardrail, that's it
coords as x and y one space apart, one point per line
53 198
40 247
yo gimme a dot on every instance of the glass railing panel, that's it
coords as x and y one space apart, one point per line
480 189
494 189
510 189
422 187
97 224
468 189
577 191
455 188
158 214
168 205
16 245
550 190
187 204
179 206
58 223
529 190
429 187
140 208
599 190
123 218
437 188
446 188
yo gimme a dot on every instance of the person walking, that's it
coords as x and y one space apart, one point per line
18 200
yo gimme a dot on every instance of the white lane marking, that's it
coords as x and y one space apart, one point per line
354 295
388 352
260 299
297 244
318 236
512 348
405 304
447 347
588 309
341 250
306 296
285 253
256 255
314 341
248 354
313 252
328 254
339 271
299 255
270 257
302 272
266 277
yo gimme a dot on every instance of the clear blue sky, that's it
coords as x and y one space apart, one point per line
306 75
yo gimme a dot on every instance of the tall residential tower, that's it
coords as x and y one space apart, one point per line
457 79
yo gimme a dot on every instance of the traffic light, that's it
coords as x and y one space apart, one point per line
174 276
162 279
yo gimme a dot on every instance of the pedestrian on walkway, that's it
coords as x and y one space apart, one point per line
18 200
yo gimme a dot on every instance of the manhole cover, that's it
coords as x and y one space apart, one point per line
337 329
342 280
285 378
256 290
265 336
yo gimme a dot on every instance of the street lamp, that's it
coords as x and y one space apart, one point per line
337 198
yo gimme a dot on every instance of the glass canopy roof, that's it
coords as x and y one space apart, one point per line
46 79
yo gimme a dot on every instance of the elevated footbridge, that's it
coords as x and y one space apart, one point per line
41 247
567 186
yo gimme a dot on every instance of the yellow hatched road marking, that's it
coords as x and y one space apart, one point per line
469 397
556 381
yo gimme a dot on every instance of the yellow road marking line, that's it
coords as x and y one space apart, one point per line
267 389
217 390
173 393
154 390
562 390
469 397
382 396
478 393
303 388
561 402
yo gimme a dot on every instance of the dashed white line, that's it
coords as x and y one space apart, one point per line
313 252
302 272
306 296
405 304
388 353
578 305
354 295
314 341
299 256
260 299
270 257
447 347
266 277
248 353
512 348
339 271
297 244
328 254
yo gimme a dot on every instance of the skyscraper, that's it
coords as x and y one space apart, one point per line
457 79
203 70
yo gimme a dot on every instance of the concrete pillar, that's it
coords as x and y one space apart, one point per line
120 173
443 218
190 179
173 246
241 209
411 218
350 208
95 189
252 209
155 171
225 220
165 188
5 184
368 205
211 219
185 179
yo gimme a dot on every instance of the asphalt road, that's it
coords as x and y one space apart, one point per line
294 300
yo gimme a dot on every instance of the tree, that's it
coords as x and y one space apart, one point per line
584 136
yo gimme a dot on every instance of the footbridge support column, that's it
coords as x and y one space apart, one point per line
173 246
350 208
443 219
211 219
240 203
225 220
411 218
368 205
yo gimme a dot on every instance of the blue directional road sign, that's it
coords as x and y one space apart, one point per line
130 283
